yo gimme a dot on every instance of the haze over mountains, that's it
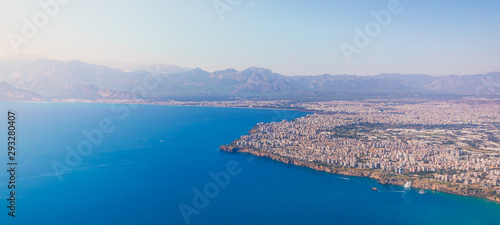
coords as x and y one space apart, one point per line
44 79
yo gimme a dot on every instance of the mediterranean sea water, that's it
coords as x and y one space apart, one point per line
153 159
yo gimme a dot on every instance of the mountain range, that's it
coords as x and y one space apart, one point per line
44 79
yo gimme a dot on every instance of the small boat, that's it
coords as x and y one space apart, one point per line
421 191
407 184
374 189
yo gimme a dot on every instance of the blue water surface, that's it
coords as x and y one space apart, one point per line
155 160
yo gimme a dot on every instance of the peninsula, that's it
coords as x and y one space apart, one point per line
449 146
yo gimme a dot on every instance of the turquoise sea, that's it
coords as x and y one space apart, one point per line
156 160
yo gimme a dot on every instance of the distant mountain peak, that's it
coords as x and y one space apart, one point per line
257 69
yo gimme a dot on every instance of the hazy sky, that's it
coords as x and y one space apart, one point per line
289 37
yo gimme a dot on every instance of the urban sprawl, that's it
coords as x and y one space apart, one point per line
451 141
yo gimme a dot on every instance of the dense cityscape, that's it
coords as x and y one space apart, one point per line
452 142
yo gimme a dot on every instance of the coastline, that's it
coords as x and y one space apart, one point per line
161 104
381 177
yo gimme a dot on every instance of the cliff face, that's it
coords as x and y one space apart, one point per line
383 178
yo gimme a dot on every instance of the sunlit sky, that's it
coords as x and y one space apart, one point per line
288 37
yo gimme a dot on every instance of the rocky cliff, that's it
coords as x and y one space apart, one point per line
382 177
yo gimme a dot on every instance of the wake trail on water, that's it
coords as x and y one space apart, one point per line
32 177
55 175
